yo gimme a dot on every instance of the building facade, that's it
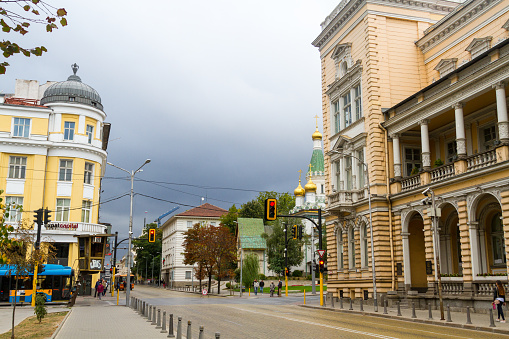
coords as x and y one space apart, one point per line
174 271
414 97
53 140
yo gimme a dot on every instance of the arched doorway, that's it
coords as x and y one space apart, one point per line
417 251
450 241
490 235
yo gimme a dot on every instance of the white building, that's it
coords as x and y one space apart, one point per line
312 196
174 271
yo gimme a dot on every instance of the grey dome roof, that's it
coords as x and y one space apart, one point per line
72 90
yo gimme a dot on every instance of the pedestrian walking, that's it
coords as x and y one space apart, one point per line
499 300
100 290
256 284
97 283
105 285
272 287
279 287
262 284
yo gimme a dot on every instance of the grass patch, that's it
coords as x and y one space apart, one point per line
30 327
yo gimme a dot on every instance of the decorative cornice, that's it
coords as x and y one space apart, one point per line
348 8
453 22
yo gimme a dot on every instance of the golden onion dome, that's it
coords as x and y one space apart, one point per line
317 135
299 191
310 186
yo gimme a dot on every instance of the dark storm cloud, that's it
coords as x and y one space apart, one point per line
216 93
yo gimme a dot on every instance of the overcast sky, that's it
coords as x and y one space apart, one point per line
218 94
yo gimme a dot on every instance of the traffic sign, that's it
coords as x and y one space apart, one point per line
321 253
204 292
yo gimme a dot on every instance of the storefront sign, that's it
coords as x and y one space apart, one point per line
95 264
62 226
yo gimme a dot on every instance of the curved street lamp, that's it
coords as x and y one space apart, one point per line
370 224
128 278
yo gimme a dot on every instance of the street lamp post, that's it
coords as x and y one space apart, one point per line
370 225
128 277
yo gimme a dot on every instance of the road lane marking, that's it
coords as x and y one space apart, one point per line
344 329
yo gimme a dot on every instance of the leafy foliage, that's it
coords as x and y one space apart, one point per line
254 208
148 254
5 229
250 269
18 15
229 220
40 306
276 249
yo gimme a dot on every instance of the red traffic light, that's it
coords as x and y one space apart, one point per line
272 203
321 262
152 235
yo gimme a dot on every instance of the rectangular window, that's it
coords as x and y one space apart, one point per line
89 171
347 109
340 251
65 172
351 248
337 124
12 205
489 135
21 127
412 161
452 151
348 173
86 211
63 209
17 167
213 224
360 168
189 224
358 102
188 274
364 230
68 130
90 133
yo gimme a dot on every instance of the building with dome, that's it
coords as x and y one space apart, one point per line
53 141
312 196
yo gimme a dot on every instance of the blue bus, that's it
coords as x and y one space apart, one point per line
55 281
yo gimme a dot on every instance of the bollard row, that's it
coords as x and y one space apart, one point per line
149 312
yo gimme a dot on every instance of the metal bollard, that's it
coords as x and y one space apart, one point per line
170 326
332 301
153 316
179 328
413 310
492 322
149 313
200 336
218 335
468 316
362 304
158 318
189 334
341 303
430 315
351 305
163 330
399 309
324 300
385 306
449 320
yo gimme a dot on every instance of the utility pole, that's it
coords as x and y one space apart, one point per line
286 260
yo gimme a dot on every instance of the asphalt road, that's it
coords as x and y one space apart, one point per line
265 317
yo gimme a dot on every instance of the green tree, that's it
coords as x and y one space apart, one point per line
5 229
276 247
148 254
40 307
255 207
251 209
230 219
224 252
250 269
16 16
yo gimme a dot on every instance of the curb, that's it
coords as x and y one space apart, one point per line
422 321
61 324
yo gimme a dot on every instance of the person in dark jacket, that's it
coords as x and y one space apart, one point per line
261 286
97 285
279 287
499 300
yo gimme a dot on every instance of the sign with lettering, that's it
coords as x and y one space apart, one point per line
62 226
95 264
429 267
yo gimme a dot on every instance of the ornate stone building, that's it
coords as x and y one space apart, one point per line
416 94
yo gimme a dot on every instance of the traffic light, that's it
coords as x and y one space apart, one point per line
294 232
300 232
111 270
47 216
38 217
152 235
287 272
321 264
270 209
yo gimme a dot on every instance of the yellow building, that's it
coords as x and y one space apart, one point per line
53 141
416 93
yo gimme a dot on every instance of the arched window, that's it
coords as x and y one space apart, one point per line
351 247
364 245
497 240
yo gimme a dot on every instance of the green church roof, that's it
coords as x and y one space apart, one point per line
317 161
250 231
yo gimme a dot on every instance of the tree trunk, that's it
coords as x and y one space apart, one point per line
210 281
218 284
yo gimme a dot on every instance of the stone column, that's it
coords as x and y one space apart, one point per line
474 247
406 259
397 156
503 128
460 130
341 174
425 152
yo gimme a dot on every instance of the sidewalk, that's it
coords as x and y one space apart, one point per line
22 312
479 321
94 318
